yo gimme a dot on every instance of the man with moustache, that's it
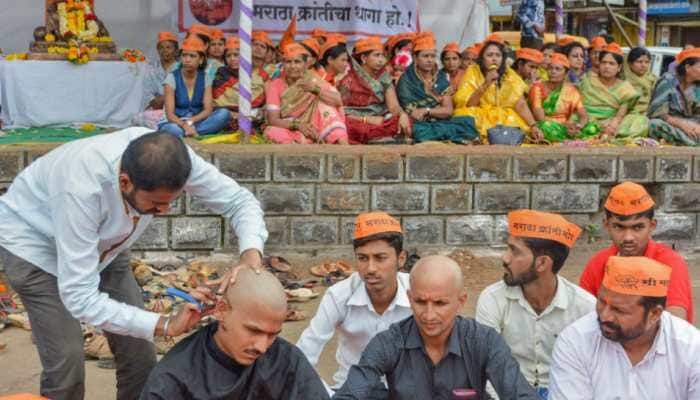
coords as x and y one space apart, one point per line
630 348
240 356
533 303
629 220
436 354
68 221
367 302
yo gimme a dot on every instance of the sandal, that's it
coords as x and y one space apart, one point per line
96 347
20 320
328 268
277 263
300 295
294 314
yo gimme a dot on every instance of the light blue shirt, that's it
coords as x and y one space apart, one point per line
65 211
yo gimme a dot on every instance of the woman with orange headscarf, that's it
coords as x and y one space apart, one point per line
301 107
558 107
609 99
451 60
217 47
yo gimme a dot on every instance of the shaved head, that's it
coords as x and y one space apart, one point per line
437 270
256 289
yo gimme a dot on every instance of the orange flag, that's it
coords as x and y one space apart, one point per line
289 34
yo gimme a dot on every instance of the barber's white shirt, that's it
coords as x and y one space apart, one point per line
65 214
588 366
347 309
531 336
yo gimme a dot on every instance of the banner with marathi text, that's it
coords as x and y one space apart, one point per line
350 17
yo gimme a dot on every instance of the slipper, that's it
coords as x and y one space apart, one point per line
300 295
323 270
294 314
96 347
143 274
298 284
277 263
20 320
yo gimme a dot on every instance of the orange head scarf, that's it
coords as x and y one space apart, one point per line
294 50
261 36
193 43
542 225
637 276
200 29
368 44
533 55
424 41
628 198
688 53
217 34
233 43
452 46
167 36
560 59
373 223
313 44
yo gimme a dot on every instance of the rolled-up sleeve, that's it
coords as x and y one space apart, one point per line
224 196
78 277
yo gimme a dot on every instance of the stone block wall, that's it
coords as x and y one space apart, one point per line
444 195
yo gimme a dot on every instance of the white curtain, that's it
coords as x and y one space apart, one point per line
462 21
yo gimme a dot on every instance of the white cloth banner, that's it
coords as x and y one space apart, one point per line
350 17
42 93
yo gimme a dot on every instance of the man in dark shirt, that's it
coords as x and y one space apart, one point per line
435 352
239 357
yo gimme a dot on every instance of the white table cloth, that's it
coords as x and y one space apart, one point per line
41 93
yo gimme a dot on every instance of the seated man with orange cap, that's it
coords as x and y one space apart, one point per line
558 107
225 89
527 61
629 220
189 107
493 94
365 304
630 348
424 92
674 110
370 103
533 300
302 107
157 70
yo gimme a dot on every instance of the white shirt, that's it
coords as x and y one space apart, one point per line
65 214
531 336
588 366
347 309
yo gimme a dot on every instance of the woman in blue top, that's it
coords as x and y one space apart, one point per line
189 107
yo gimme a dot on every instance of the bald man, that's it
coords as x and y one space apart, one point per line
240 356
436 353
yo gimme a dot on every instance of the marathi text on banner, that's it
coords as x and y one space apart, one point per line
352 17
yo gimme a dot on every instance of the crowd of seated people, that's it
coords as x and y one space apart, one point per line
406 90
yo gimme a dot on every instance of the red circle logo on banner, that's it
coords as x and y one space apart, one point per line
211 12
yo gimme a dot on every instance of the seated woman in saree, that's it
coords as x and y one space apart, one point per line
558 107
313 47
189 108
494 94
609 99
674 111
576 54
527 63
637 72
372 110
333 62
262 47
425 93
156 71
226 85
399 49
215 55
302 107
451 61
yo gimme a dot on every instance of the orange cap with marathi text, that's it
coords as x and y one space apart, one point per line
217 34
201 29
372 223
688 53
193 43
313 44
368 44
560 59
598 42
452 46
542 225
167 36
628 198
424 41
294 50
533 55
233 43
614 48
261 36
637 276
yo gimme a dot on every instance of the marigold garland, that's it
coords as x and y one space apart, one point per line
132 55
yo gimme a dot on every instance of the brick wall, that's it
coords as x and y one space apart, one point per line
444 195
